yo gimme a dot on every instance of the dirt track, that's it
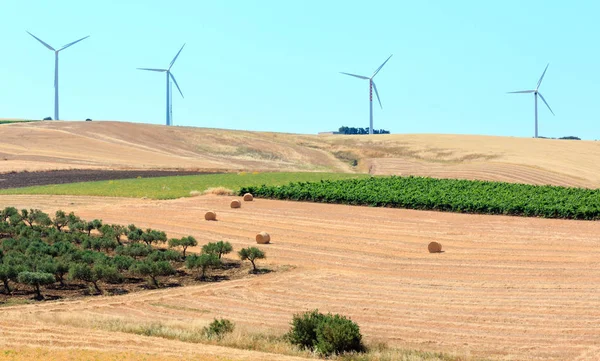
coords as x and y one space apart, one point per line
506 287
26 179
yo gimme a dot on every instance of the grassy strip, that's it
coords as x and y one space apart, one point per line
450 195
175 187
267 341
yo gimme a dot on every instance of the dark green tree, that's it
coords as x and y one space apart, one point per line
35 216
36 280
135 250
251 254
183 242
90 226
152 270
219 248
113 230
60 220
202 262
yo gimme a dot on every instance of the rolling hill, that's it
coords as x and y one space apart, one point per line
120 145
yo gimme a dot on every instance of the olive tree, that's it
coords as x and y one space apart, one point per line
251 254
152 270
36 280
35 216
202 262
113 231
183 242
219 248
91 225
94 274
60 220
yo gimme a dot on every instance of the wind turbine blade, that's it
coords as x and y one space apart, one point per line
522 91
73 43
377 93
354 75
150 69
177 85
40 40
541 96
542 77
175 58
378 69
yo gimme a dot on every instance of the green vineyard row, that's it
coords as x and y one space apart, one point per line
449 195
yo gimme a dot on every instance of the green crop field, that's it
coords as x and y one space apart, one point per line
445 195
176 187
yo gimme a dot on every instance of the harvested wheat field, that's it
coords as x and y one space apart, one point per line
118 145
505 288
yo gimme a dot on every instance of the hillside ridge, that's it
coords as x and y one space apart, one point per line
120 145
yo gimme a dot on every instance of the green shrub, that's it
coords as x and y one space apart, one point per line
218 328
326 334
336 334
304 329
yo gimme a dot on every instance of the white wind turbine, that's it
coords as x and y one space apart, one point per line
169 77
56 68
535 94
371 87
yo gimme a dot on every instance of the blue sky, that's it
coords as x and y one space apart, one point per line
274 65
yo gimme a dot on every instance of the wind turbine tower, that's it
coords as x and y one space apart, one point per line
56 68
169 77
536 92
371 87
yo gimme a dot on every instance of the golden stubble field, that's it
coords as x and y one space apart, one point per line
121 145
506 288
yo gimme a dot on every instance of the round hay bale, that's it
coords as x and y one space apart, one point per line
248 197
263 238
210 216
236 204
434 247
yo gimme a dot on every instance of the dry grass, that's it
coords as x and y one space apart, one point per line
497 293
219 191
242 338
119 145
71 354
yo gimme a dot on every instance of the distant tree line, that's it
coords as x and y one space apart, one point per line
570 137
352 130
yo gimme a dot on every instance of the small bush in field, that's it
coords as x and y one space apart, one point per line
218 328
326 334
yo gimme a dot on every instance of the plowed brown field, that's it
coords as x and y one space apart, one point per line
506 288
